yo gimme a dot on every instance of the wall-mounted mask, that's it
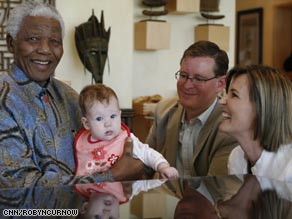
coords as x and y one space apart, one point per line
91 41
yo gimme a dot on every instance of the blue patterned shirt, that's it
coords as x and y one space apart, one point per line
37 126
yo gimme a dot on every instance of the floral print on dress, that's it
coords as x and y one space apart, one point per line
98 153
101 161
113 159
90 165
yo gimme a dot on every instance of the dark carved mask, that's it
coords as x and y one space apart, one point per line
91 41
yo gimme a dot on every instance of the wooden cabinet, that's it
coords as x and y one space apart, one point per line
282 34
277 29
127 117
141 126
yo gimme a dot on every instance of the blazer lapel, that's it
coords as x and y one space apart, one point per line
206 130
172 133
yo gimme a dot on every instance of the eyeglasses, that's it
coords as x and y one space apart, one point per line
183 77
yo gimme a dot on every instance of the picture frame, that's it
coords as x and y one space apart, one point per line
249 34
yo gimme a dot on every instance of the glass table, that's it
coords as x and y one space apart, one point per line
234 197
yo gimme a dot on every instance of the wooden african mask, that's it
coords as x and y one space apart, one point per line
92 41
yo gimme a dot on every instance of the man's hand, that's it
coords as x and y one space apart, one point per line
128 168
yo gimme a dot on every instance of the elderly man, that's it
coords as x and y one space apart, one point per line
39 114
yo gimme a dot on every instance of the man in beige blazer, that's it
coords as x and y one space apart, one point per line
185 129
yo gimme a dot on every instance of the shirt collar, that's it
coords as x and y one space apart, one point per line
30 86
203 116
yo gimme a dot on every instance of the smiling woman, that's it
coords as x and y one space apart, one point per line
258 97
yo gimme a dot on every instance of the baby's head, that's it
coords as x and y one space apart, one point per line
101 112
100 205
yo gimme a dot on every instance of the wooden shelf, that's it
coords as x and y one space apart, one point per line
183 6
218 34
152 35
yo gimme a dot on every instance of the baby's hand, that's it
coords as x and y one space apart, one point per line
169 173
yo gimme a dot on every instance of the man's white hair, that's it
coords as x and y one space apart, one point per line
31 9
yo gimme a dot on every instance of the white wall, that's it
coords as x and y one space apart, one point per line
153 71
133 73
118 14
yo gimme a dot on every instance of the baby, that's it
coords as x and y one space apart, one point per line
103 200
101 142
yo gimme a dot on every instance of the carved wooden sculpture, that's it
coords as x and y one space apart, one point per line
151 13
91 41
207 7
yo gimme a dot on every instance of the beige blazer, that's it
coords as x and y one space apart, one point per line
212 149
